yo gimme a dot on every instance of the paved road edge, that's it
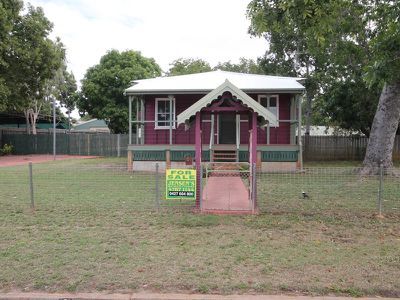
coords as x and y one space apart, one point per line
153 296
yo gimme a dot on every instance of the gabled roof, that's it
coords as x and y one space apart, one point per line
93 123
227 86
208 81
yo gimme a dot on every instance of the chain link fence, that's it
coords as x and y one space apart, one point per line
106 189
333 191
110 189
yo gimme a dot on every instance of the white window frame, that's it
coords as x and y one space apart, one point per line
277 105
156 113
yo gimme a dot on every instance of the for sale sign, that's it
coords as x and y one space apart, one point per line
180 184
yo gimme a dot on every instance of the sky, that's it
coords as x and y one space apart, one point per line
213 30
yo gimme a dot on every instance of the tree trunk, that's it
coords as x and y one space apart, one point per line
33 122
383 131
32 119
28 130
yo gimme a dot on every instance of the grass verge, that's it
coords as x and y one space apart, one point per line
87 234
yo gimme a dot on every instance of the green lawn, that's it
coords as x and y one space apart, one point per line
330 191
97 228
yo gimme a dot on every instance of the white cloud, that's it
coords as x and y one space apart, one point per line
214 30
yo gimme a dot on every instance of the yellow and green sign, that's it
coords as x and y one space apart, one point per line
180 184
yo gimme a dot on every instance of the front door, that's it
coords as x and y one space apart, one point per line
227 128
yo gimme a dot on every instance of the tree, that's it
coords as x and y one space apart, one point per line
103 86
343 43
66 90
62 87
45 97
29 60
384 67
348 104
321 41
36 69
286 26
9 13
244 66
86 117
184 66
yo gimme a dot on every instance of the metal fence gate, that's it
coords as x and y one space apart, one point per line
228 187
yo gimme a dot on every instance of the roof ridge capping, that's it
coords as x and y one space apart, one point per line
255 74
218 71
91 120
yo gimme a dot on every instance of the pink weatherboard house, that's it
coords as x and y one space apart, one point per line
215 117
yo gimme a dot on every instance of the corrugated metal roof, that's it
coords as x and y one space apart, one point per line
235 91
93 123
208 81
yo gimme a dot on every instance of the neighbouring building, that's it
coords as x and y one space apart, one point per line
93 125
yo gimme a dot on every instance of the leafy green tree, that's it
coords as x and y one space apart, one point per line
46 113
286 26
86 117
9 14
104 84
29 59
349 105
335 44
316 40
244 66
384 68
61 87
65 90
184 66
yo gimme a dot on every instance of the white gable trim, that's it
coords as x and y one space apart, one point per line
227 86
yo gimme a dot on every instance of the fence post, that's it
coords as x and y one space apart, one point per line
201 187
380 190
88 144
79 135
254 185
118 145
69 143
31 186
54 130
157 190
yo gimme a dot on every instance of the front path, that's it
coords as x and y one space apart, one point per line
225 194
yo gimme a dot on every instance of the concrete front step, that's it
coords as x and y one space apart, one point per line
224 155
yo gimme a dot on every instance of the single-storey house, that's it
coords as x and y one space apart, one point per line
224 115
216 117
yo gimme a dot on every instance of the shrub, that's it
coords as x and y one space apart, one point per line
7 149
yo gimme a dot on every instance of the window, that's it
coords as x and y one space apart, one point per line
270 102
163 113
